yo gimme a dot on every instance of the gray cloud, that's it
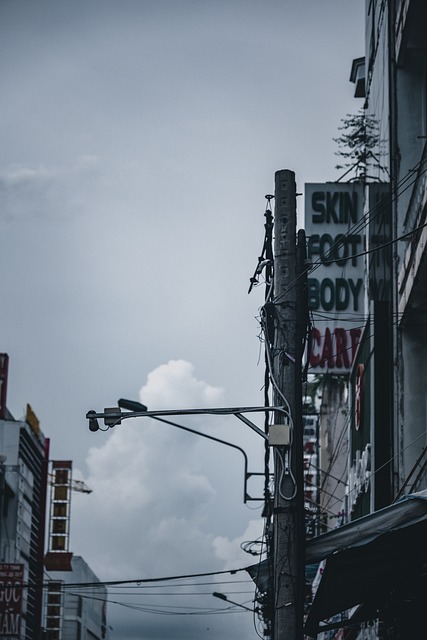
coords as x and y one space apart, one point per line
155 490
138 140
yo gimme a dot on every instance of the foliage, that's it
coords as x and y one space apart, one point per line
315 387
357 142
313 391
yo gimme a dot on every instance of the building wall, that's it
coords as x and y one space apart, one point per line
409 131
333 450
23 510
377 97
396 96
84 609
392 355
396 351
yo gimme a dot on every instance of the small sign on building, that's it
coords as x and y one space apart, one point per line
11 584
335 283
58 557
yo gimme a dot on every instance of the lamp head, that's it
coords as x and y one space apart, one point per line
221 596
131 405
93 422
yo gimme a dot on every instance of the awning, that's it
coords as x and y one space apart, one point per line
365 558
261 573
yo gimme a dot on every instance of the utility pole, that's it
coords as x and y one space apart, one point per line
289 525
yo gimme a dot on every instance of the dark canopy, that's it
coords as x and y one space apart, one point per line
366 558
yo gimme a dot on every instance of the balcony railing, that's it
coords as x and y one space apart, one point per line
414 219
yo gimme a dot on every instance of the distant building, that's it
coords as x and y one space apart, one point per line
373 571
79 612
23 476
35 604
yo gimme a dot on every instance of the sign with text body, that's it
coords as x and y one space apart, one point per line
335 283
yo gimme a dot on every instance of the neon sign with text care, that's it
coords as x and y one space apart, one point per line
335 284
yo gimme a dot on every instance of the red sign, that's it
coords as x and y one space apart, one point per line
11 579
4 367
334 349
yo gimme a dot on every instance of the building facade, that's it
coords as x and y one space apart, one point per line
24 455
374 576
77 612
35 603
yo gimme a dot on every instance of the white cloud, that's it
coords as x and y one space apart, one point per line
174 385
21 175
149 491
46 191
132 178
230 550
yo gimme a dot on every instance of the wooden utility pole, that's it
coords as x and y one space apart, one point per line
289 526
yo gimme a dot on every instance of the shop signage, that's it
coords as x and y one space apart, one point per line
335 284
58 557
32 420
11 579
359 476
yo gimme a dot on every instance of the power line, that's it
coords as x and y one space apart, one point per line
382 207
136 581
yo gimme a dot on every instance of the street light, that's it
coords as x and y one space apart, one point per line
222 596
93 422
131 405
114 416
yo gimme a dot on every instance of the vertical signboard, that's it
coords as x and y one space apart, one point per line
11 581
311 473
335 241
380 257
360 479
58 557
4 367
54 609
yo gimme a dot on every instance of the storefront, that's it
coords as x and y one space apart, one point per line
374 567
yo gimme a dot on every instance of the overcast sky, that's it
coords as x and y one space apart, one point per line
138 139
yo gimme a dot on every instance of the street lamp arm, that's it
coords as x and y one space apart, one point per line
112 417
251 425
205 435
215 439
222 596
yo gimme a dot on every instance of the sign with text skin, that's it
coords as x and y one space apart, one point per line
335 240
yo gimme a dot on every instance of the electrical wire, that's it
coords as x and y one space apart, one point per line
371 215
369 476
271 300
134 581
166 609
357 227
